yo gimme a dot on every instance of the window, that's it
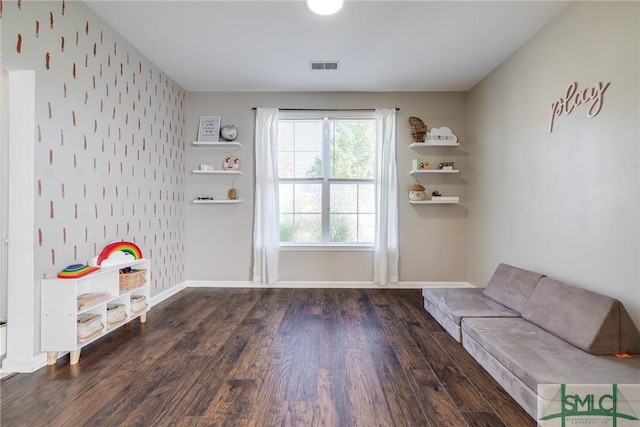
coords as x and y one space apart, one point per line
326 169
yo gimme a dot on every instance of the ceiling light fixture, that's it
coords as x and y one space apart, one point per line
325 7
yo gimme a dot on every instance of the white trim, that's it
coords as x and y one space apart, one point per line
325 248
11 366
327 285
168 293
23 299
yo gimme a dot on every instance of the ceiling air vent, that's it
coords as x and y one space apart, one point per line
324 65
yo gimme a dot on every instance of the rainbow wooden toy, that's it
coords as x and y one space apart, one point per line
128 250
76 270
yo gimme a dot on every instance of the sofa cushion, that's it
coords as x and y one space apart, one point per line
511 286
536 356
465 302
593 322
449 305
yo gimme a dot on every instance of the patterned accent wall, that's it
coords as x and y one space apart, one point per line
109 140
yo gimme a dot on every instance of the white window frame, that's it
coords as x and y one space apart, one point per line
326 244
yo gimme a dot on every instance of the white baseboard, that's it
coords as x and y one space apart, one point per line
168 293
328 285
24 366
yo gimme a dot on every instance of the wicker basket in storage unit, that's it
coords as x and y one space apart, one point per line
115 314
138 303
132 279
89 325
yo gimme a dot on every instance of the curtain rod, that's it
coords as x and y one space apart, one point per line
325 109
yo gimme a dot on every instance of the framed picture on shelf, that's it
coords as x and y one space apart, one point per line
209 128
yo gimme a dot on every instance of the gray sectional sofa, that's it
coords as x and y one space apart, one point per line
526 329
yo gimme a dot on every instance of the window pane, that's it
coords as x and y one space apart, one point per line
352 149
366 228
308 228
285 164
343 227
286 198
344 198
366 198
308 135
285 136
308 164
308 198
287 232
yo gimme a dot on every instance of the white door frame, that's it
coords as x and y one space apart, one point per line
23 308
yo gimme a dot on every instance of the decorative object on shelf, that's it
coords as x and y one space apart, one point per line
207 168
204 198
442 136
209 128
229 132
435 193
118 253
233 194
419 165
231 163
131 278
416 191
76 270
446 166
418 129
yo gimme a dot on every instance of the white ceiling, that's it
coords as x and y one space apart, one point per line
381 45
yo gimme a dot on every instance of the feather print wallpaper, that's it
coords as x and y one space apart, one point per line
109 140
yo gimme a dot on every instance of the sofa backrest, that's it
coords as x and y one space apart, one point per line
511 286
593 322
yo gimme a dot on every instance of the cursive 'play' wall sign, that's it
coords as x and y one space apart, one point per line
574 98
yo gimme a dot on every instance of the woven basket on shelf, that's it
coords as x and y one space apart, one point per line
418 129
132 280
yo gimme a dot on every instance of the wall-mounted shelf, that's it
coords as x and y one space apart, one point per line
216 201
427 171
225 144
433 144
449 200
217 172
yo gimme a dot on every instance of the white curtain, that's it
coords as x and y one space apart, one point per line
385 262
266 229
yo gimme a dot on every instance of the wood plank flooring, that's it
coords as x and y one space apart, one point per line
268 357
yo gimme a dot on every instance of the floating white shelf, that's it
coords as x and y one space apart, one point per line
447 200
433 144
433 171
226 144
216 201
218 172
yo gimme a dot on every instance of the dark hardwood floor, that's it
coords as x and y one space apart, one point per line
268 357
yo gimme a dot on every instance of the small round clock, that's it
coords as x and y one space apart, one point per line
229 132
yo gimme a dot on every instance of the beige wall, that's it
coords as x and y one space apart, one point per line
564 203
218 237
